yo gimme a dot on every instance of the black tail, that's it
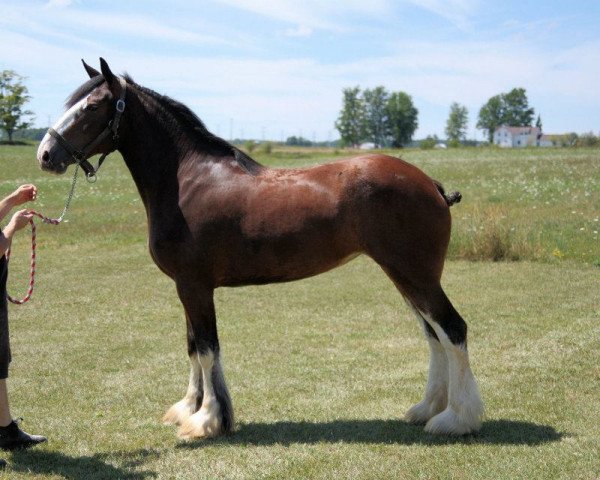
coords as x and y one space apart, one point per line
452 198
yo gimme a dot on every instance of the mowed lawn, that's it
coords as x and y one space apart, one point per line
322 370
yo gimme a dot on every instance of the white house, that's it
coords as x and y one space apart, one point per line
520 137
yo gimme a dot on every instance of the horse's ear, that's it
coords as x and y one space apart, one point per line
108 75
92 72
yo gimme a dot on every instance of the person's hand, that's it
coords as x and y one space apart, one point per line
23 194
20 219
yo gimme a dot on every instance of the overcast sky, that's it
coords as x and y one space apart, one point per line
275 68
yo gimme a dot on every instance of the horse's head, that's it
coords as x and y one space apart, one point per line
90 124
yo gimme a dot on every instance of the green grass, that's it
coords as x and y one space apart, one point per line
321 371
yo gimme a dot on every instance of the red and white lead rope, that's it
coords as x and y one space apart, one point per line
51 221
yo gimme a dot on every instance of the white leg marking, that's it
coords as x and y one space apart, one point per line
465 410
184 408
206 422
436 392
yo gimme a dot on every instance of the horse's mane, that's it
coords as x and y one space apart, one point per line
184 118
181 116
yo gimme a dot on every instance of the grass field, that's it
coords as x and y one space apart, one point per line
321 371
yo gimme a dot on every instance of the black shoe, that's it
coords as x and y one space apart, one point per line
12 437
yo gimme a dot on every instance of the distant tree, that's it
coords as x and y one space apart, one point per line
572 139
510 109
376 115
517 112
538 122
298 141
352 120
35 134
402 118
429 142
249 145
587 140
13 96
491 116
456 125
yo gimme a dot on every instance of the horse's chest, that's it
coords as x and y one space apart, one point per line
169 247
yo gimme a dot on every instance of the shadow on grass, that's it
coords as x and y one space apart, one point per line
493 432
98 466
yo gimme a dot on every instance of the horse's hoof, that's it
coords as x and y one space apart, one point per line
178 413
451 423
205 423
423 411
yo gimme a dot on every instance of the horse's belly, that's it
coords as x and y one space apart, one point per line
283 262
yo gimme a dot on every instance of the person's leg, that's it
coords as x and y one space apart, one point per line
5 417
11 436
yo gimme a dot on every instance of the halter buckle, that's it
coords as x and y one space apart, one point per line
120 106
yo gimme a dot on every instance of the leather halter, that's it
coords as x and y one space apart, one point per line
80 155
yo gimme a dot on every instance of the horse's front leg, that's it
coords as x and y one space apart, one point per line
190 403
215 414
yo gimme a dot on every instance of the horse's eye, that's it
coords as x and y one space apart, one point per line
91 108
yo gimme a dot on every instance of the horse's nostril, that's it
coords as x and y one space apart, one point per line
45 156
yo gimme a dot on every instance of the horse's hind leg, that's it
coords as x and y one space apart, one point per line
452 404
190 403
464 411
214 415
436 391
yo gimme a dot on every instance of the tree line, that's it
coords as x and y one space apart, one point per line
390 119
387 119
375 115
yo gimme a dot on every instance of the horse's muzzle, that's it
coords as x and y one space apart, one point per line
50 161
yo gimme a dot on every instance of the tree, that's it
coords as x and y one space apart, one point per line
429 142
456 125
517 112
538 122
511 109
402 118
376 115
13 95
298 141
491 116
352 120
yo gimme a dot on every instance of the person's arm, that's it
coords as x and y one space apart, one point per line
23 194
17 222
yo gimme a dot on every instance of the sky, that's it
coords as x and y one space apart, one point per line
270 69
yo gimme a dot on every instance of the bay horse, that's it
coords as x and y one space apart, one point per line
218 218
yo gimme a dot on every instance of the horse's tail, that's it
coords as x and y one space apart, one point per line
451 198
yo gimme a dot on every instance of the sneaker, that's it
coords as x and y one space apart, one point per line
12 437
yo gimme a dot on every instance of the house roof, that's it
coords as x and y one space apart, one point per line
520 130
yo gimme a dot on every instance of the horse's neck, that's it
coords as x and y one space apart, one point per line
152 165
154 155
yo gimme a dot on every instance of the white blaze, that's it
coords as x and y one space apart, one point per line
64 122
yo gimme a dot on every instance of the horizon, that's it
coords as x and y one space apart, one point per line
271 70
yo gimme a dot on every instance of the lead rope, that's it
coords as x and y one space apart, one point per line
51 221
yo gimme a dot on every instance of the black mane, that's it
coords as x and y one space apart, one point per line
184 118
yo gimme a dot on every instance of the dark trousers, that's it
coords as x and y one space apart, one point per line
4 341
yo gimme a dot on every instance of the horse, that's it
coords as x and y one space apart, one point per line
217 218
